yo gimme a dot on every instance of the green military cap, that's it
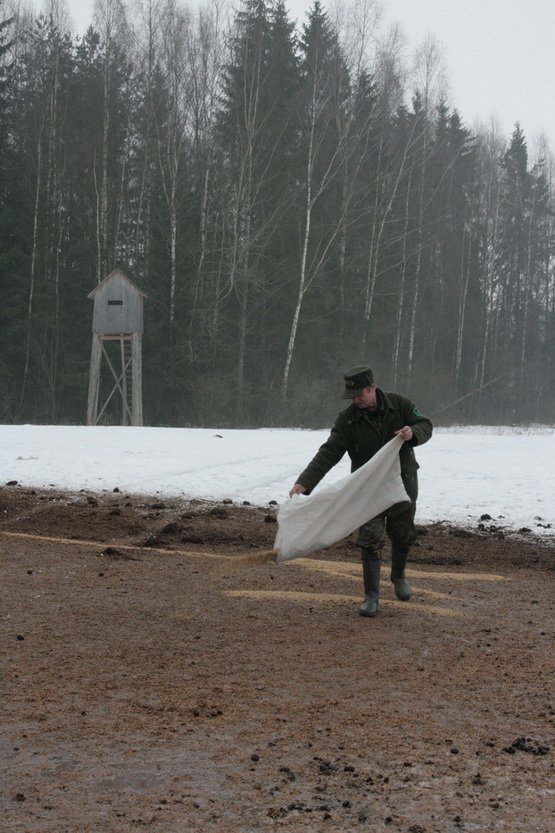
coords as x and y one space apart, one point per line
356 379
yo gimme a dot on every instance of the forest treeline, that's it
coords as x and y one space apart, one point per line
292 201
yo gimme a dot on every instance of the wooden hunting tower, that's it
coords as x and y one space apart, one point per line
117 339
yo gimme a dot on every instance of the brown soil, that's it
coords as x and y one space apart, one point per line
150 682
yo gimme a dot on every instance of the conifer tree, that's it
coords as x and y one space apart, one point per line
257 134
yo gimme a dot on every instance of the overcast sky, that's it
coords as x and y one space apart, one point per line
499 54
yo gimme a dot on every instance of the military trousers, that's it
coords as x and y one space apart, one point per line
397 522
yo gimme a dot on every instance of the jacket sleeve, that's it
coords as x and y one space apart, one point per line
421 426
327 456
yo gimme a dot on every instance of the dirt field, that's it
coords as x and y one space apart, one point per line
152 683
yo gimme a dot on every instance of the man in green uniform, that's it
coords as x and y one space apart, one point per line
372 419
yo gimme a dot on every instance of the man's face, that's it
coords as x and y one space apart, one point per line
367 398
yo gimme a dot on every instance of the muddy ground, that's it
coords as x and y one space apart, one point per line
151 681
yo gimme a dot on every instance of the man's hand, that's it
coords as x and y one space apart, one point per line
405 433
298 489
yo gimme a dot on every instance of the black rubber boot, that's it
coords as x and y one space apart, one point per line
371 564
400 582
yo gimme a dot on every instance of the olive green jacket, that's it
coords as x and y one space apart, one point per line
361 435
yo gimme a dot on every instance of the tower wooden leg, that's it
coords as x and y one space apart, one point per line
94 380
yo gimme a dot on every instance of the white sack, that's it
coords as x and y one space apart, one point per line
312 522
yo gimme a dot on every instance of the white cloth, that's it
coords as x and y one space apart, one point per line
312 522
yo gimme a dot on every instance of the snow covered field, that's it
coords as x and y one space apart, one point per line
505 472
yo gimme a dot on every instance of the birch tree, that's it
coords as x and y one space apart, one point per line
256 125
325 87
430 81
110 19
47 68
